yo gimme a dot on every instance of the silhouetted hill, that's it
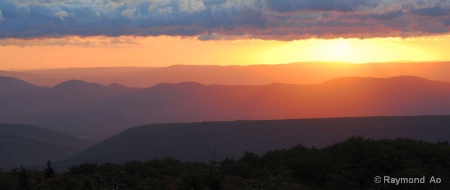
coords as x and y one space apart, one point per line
29 145
77 85
92 110
25 103
9 83
294 73
199 141
10 86
193 102
25 76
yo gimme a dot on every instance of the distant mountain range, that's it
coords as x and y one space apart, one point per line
204 141
294 73
28 145
26 103
221 109
96 111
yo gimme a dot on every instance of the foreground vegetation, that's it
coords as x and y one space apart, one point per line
352 164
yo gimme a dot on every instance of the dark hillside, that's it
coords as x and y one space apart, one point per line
29 145
199 141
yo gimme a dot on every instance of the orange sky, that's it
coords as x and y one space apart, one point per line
164 51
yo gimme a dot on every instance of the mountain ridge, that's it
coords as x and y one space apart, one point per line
28 145
75 84
291 73
200 141
87 112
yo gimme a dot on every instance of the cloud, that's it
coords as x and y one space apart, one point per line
191 6
447 22
99 41
432 11
165 10
209 3
61 14
319 5
154 4
23 3
213 36
130 13
217 19
1 16
207 37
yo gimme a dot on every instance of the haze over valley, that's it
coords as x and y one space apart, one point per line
292 73
93 112
86 109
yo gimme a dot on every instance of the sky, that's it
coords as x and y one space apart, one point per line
100 33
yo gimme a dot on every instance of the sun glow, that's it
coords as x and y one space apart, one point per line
165 51
359 50
339 50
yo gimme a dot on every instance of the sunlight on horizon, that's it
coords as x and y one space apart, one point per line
165 51
358 50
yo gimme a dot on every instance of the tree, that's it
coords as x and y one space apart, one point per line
48 172
23 181
115 183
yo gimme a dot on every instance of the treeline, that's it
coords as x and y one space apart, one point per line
352 164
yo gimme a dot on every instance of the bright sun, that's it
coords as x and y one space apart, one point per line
159 51
354 50
339 50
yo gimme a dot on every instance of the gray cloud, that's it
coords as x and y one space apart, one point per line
165 10
73 41
447 22
61 14
320 5
130 13
191 5
1 16
217 19
432 11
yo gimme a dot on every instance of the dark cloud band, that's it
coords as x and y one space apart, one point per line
218 19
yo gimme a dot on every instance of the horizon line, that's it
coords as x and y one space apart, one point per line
228 65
